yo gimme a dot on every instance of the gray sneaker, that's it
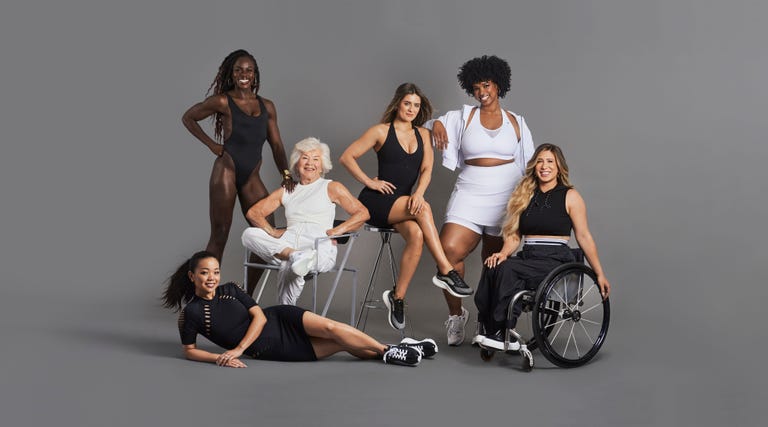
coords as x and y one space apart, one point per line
395 310
453 283
455 326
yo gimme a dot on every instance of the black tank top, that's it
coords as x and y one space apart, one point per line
546 214
397 166
247 139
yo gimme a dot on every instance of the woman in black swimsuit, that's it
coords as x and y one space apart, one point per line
244 121
395 198
230 318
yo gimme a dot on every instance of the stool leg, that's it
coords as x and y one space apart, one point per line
363 307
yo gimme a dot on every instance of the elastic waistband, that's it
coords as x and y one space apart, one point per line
545 241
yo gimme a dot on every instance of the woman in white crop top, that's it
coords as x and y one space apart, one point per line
491 147
309 212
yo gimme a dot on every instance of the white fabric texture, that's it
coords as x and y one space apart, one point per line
481 193
308 209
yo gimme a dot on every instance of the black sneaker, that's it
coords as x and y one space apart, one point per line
428 347
453 283
396 309
402 355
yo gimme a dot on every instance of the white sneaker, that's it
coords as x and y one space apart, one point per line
455 325
302 261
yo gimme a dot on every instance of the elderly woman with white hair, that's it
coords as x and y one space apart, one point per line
309 211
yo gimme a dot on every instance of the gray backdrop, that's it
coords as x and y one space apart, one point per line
659 106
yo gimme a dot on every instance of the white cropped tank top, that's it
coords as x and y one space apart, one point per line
478 142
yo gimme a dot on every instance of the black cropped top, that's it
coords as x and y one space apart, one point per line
546 214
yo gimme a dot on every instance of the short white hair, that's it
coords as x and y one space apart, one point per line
309 144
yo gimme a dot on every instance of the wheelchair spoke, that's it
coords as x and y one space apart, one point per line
600 304
586 293
589 337
590 321
562 323
559 296
575 343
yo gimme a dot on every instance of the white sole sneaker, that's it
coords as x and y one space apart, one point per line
304 263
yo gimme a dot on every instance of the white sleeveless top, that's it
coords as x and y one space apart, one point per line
500 143
310 205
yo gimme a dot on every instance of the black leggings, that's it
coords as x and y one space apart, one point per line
498 285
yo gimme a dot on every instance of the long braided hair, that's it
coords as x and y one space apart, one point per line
521 197
223 83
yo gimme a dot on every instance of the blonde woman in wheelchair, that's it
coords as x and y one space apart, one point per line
309 211
543 208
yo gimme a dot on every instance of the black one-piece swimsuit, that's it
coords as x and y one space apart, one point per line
397 167
246 141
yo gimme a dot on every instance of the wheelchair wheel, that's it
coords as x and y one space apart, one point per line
570 317
486 354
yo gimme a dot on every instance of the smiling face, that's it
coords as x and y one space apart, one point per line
310 166
546 170
244 73
409 107
205 277
485 92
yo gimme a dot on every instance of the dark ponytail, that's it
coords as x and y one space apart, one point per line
180 289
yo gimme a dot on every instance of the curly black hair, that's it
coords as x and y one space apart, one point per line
485 68
223 82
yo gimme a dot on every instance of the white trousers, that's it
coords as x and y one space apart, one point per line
289 285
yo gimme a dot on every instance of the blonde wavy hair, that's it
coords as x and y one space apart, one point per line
523 193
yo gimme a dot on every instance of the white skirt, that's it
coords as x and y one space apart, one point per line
481 193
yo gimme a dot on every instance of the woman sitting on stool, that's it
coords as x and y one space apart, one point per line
544 208
395 197
230 318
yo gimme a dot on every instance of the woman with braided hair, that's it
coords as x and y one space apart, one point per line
243 120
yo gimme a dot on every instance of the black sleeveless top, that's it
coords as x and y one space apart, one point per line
247 139
546 214
397 167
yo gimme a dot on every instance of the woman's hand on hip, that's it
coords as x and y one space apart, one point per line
381 186
217 149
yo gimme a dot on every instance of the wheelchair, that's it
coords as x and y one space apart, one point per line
566 314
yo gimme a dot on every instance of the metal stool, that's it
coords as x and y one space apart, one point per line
371 299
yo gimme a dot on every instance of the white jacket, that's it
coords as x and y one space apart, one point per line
455 122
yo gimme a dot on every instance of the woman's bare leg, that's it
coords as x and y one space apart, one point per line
458 242
329 337
222 192
409 261
426 222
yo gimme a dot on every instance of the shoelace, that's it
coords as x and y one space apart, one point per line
398 353
452 324
457 281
